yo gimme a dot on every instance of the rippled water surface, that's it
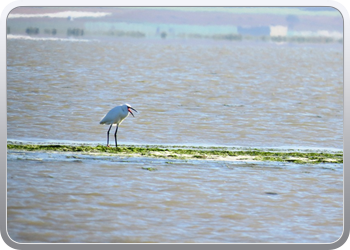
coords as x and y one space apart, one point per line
187 92
118 200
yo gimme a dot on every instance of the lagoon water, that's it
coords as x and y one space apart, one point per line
187 92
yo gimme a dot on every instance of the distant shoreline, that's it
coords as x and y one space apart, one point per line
295 25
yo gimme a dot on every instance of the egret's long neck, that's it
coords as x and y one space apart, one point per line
125 110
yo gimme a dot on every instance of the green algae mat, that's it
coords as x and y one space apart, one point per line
195 153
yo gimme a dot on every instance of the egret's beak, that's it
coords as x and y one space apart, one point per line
130 111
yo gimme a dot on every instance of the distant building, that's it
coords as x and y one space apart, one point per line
278 30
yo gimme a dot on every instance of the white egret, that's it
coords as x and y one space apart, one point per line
115 117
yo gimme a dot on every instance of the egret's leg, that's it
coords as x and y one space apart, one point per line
115 136
108 134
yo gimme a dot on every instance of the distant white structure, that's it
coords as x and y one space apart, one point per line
319 33
278 30
333 34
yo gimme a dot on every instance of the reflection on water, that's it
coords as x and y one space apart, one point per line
191 92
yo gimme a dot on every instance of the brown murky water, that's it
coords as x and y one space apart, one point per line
186 92
53 199
192 92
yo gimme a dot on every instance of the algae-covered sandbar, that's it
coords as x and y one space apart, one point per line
185 152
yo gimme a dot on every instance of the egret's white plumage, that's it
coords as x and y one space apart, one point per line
115 117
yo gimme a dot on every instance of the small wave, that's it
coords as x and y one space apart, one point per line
22 37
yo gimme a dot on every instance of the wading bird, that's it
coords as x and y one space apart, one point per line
115 117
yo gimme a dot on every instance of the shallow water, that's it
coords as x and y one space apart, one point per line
61 198
187 92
